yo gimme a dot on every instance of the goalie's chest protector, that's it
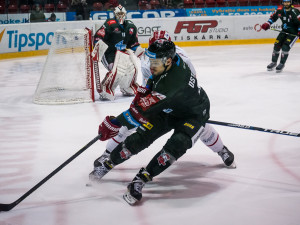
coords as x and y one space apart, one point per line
119 33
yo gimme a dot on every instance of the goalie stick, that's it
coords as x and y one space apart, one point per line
7 207
283 32
282 132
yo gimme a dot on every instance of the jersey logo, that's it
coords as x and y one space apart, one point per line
131 31
189 125
150 100
163 158
167 110
101 32
110 22
117 30
125 153
120 46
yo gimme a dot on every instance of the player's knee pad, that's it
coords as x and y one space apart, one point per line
178 144
277 47
138 141
286 48
120 154
210 137
121 136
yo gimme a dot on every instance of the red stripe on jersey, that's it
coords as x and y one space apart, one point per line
110 22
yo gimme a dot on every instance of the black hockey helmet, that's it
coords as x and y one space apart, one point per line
161 49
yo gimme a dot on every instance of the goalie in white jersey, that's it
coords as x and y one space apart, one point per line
210 137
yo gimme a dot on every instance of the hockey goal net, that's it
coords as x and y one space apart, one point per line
67 75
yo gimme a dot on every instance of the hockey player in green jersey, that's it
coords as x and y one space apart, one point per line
172 100
116 41
290 18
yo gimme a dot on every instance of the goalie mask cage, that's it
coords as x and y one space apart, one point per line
67 75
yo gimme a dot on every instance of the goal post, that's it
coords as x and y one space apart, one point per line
68 73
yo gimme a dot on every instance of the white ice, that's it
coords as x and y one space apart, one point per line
197 189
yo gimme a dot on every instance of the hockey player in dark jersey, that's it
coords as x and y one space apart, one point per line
115 43
172 100
290 18
210 137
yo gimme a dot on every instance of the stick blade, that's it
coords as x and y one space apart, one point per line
6 207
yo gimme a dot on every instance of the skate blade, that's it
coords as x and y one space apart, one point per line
232 166
278 71
129 199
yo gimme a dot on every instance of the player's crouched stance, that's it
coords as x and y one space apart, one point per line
171 100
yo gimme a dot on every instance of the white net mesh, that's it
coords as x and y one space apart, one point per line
66 76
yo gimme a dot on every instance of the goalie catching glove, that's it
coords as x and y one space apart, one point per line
109 128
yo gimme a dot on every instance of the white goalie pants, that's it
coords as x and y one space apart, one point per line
123 74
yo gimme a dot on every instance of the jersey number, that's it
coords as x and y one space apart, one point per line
192 81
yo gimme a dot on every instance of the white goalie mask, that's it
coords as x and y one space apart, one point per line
120 14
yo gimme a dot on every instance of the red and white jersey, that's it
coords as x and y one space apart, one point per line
145 64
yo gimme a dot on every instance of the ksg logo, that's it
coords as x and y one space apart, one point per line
196 26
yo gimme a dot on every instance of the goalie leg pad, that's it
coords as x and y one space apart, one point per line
128 83
117 76
107 86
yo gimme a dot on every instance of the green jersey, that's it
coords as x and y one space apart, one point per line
117 36
290 19
182 95
175 93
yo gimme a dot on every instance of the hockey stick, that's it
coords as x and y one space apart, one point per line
7 207
283 32
282 132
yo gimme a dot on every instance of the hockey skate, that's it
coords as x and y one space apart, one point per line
271 66
279 68
134 189
102 166
227 157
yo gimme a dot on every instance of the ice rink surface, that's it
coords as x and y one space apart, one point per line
197 189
